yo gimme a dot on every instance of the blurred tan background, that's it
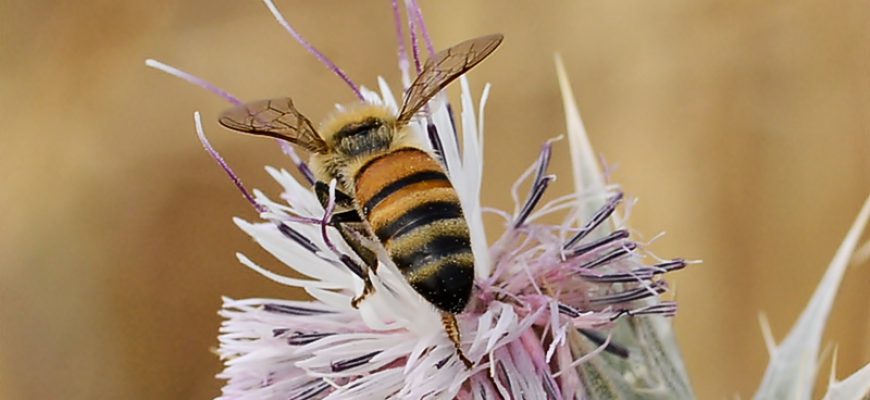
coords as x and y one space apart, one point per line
743 127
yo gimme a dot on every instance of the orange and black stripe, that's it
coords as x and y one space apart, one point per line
415 212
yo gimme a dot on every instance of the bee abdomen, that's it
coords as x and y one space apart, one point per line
437 261
420 215
414 182
394 175
415 213
402 190
446 282
431 247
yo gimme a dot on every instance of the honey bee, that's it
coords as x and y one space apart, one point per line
389 190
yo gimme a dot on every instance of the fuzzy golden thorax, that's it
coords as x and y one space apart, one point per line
353 137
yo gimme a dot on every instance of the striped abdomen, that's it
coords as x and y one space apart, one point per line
415 212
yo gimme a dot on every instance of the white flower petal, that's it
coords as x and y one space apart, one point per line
441 119
303 198
507 319
480 343
295 255
370 96
285 280
472 164
387 95
335 300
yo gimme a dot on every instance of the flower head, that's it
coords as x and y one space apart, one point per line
547 301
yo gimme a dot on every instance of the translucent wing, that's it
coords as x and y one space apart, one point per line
276 118
442 69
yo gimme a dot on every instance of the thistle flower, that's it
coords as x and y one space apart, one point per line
571 310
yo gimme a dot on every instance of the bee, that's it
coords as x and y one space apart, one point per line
389 189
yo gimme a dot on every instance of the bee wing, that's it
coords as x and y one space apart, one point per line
276 118
442 69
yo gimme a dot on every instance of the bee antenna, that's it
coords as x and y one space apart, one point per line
311 49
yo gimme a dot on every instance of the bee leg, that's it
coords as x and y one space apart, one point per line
368 289
351 228
352 232
452 329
